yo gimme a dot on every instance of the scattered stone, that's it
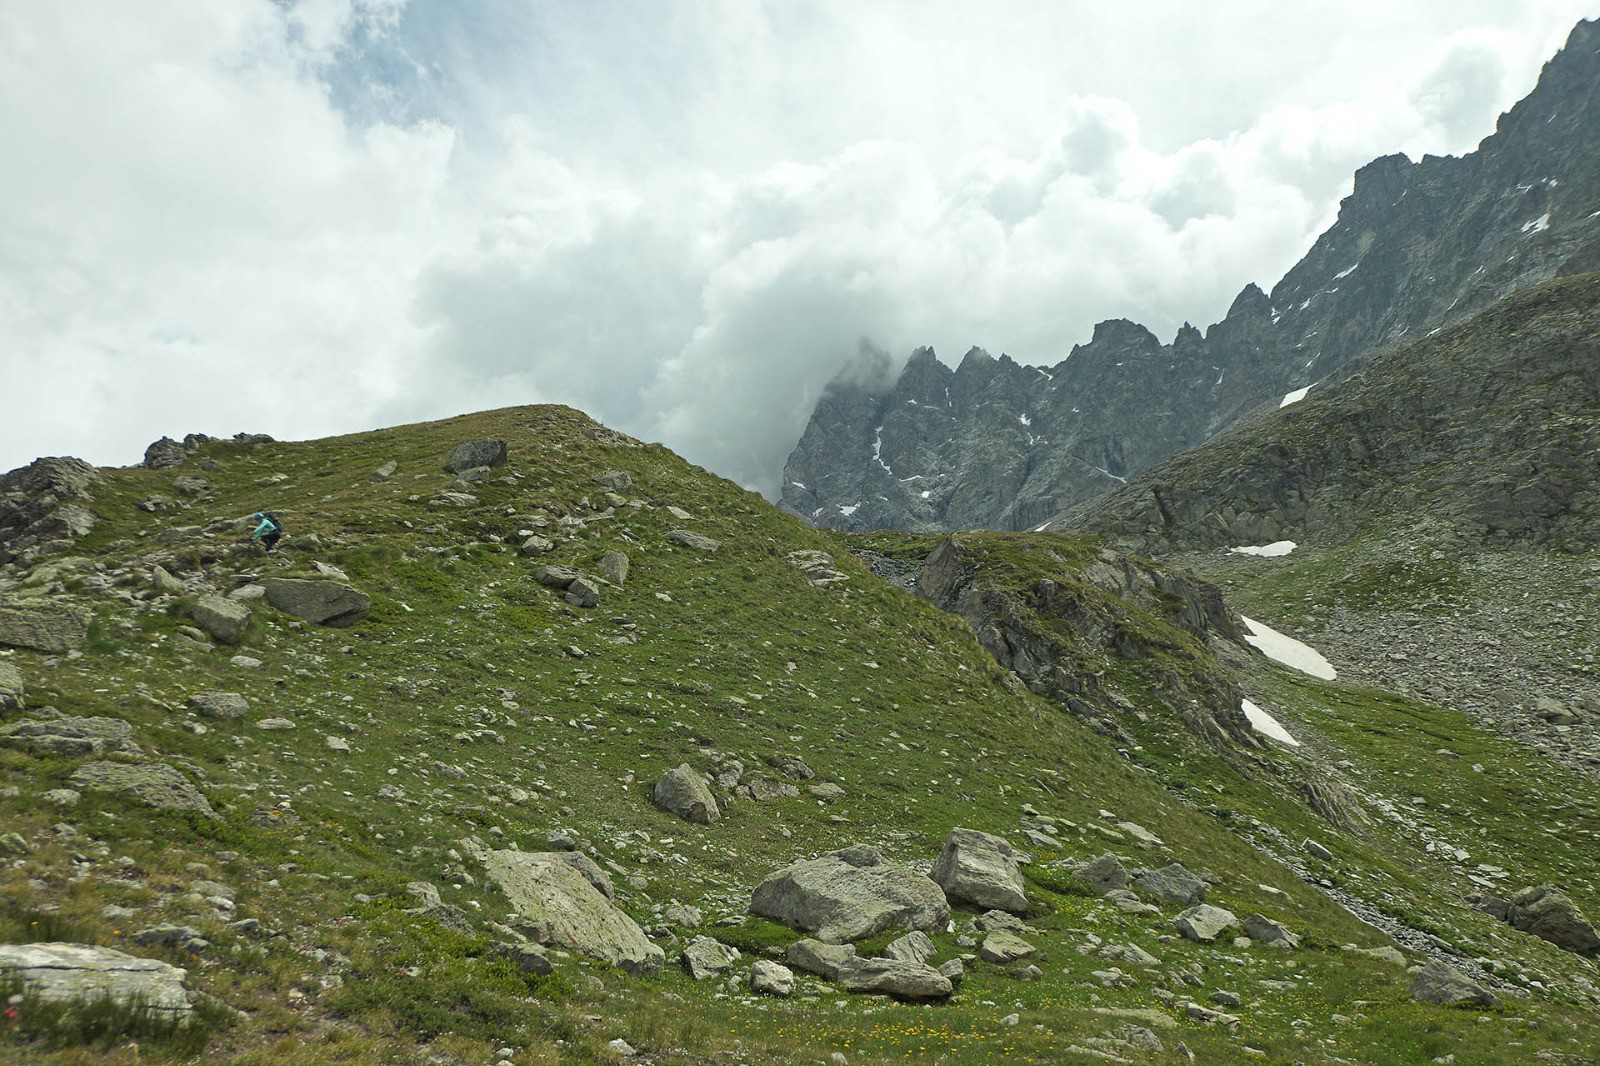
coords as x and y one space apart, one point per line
384 472
252 591
271 724
452 499
71 736
153 784
164 453
244 662
591 872
62 797
1547 913
623 1048
191 486
693 540
1199 1013
476 453
771 978
1129 953
167 935
1437 982
616 480
1205 922
583 593
707 957
330 572
63 973
326 603
954 971
915 946
1386 953
337 743
980 869
162 581
890 977
1001 948
1260 928
220 704
850 894
13 697
683 792
614 565
536 545
50 626
529 959
1317 851
1105 873
561 907
818 567
1172 883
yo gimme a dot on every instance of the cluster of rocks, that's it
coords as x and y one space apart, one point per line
1546 912
43 507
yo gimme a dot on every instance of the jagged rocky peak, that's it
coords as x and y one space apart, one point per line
1417 245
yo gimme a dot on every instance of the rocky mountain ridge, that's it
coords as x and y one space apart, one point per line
1417 246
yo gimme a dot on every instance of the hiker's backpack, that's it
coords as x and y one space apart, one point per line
277 523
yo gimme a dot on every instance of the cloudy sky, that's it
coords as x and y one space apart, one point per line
306 217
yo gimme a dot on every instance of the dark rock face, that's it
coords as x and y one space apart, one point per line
41 506
1417 246
474 454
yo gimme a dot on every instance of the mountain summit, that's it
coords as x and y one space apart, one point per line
1417 246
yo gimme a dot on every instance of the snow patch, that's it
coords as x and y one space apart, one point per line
1041 529
1306 304
1294 397
877 450
925 493
1346 272
1268 551
1266 725
1538 225
849 509
799 485
1025 420
1286 650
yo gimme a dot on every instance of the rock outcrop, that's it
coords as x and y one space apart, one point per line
981 870
560 907
327 603
153 784
64 973
43 507
1548 913
50 626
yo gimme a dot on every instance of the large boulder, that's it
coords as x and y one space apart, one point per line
327 603
1439 983
707 956
64 973
1001 947
164 453
697 541
1547 913
1172 883
220 704
1260 928
44 625
1205 923
224 620
890 977
614 565
583 593
64 735
13 697
980 869
564 909
1105 873
154 784
850 894
684 793
771 978
475 453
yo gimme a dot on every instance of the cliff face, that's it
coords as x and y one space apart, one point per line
1417 246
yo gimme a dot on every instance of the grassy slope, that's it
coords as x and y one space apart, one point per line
459 691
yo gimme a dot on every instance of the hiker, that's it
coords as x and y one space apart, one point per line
268 532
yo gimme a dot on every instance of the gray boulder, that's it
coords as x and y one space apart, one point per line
683 792
164 453
591 872
529 959
384 472
71 736
154 784
583 593
614 566
536 545
50 626
915 946
164 583
707 956
890 977
825 960
1205 923
980 869
850 894
1172 883
13 697
220 704
1001 947
1105 873
224 620
1439 983
558 577
1264 929
1547 913
616 480
64 973
771 978
693 540
475 453
564 909
327 603
452 499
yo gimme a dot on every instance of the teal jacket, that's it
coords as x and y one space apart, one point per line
264 528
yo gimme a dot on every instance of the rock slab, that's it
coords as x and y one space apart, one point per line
71 736
327 603
980 869
1205 923
889 977
1439 983
224 620
564 909
50 626
77 972
13 696
850 894
154 784
1172 883
1547 913
475 453
683 792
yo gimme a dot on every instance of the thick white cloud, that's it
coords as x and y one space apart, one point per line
314 216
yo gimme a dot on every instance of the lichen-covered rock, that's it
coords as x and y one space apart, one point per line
476 453
50 626
771 978
1265 930
1105 873
1205 923
614 565
890 977
327 603
980 869
562 908
684 793
1547 913
1001 947
707 956
1172 883
850 894
225 620
1439 983
697 541
153 784
64 735
583 593
13 696
62 973
220 704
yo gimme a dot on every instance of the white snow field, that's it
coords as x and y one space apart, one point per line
1267 725
1287 650
1294 397
1270 551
